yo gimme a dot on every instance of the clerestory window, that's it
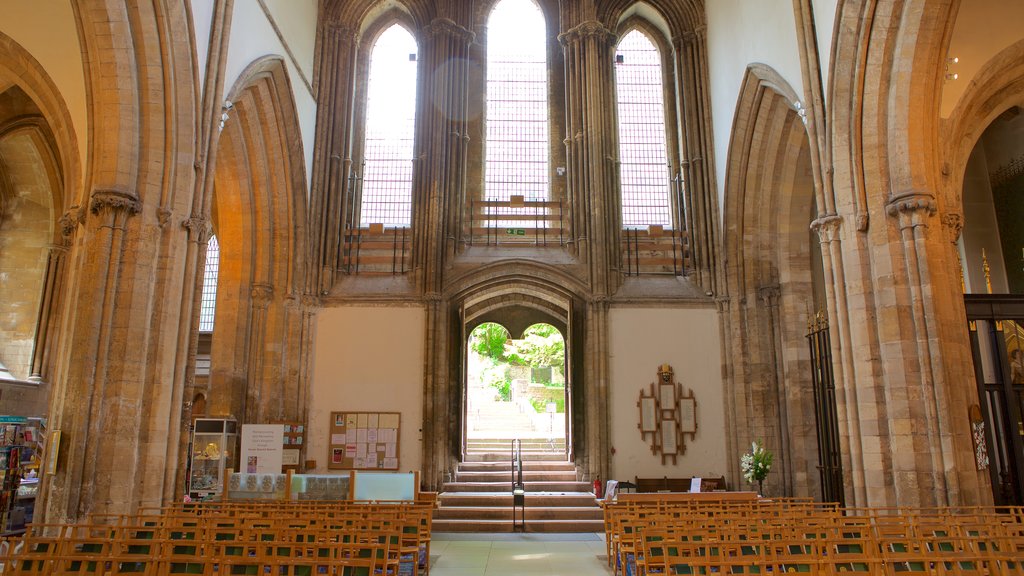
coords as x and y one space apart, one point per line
517 148
643 155
389 131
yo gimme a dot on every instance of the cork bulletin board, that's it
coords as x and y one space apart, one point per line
364 441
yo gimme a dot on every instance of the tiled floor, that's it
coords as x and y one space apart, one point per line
518 555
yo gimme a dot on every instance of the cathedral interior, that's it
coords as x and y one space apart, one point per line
277 210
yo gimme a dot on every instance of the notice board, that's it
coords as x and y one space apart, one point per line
364 441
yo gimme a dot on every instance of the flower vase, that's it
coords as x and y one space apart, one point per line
760 488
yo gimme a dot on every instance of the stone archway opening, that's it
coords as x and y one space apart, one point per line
515 386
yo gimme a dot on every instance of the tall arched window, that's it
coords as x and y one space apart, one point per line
517 145
208 303
390 123
643 155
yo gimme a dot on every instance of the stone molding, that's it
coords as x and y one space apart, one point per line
585 30
69 222
116 202
954 225
912 210
769 294
199 228
827 227
261 295
339 31
448 27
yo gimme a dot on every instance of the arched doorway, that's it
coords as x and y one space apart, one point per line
515 386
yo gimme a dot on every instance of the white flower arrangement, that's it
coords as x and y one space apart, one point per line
756 464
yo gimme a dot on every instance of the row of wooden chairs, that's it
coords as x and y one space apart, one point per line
795 536
354 539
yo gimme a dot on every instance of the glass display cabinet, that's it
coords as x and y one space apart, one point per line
212 452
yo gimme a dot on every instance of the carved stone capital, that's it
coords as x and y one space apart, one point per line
912 210
69 222
954 225
769 294
199 228
310 302
114 202
827 227
112 208
339 31
163 216
432 297
447 27
861 221
586 30
261 295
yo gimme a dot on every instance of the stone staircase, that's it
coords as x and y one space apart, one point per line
479 497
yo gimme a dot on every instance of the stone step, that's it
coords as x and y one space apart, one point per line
500 499
507 442
499 526
528 465
506 447
505 513
528 456
506 476
530 486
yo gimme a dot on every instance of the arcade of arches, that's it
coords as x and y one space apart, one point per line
809 208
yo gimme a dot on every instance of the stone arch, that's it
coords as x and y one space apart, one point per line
259 216
37 126
900 342
521 292
769 204
19 68
31 245
998 86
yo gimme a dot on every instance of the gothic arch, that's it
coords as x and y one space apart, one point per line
769 204
998 86
19 68
259 215
899 341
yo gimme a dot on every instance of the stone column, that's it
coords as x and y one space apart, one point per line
438 207
925 416
769 296
590 151
697 160
262 295
87 411
332 155
828 229
49 306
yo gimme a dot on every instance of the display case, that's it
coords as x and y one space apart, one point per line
12 450
213 451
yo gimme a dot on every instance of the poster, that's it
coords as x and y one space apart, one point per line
364 440
262 448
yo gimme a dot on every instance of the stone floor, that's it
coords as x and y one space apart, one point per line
518 554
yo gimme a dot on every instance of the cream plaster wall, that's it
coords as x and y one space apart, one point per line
47 30
368 359
297 21
983 28
253 36
202 22
824 29
741 32
641 339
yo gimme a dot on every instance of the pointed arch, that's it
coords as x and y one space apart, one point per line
259 217
769 205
